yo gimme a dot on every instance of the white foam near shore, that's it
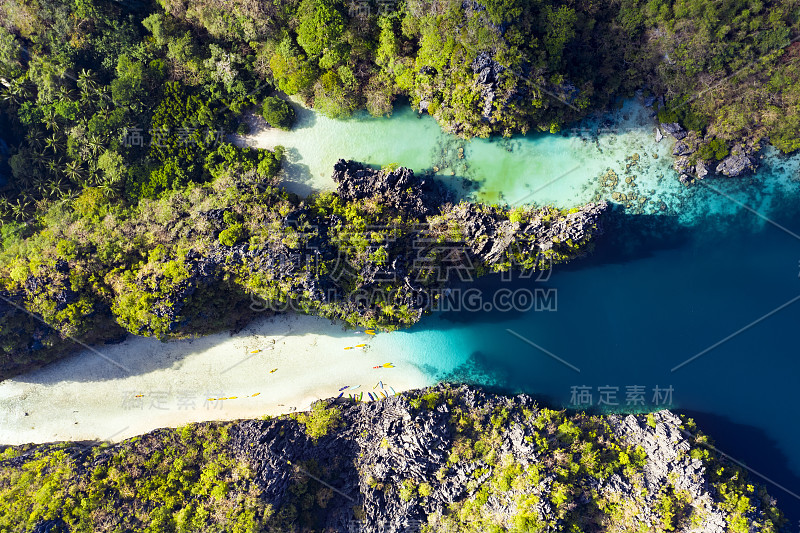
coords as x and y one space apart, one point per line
86 397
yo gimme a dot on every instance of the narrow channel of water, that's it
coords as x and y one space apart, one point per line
710 272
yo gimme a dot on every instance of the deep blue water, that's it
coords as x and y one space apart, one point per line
652 295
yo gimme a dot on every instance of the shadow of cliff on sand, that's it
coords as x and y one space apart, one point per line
140 355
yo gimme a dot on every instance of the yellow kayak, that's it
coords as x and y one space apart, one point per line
273 370
255 351
360 345
370 332
256 394
349 348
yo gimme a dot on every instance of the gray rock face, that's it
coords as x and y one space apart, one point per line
668 463
683 166
738 163
701 170
681 148
674 129
490 237
380 446
400 188
488 77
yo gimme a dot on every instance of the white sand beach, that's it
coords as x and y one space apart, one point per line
86 397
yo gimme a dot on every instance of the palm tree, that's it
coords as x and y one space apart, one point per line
73 171
51 119
94 143
18 210
86 81
41 185
35 141
5 207
58 188
14 92
94 176
54 165
65 92
108 188
53 143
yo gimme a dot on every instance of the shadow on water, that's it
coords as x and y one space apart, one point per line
295 176
629 238
306 118
752 447
496 376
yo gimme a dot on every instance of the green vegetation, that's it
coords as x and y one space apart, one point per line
320 420
169 480
116 114
728 70
278 113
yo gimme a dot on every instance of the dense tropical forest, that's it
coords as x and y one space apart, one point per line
118 185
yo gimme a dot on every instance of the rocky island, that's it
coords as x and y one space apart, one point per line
436 460
374 254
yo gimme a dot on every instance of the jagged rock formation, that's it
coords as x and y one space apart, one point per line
689 165
737 163
674 129
400 188
488 72
385 451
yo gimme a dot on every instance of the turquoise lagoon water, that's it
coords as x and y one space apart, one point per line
676 274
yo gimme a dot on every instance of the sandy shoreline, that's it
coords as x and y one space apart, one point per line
86 397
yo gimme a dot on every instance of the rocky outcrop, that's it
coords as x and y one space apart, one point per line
317 268
738 163
445 458
491 236
669 466
310 260
487 72
690 166
400 189
674 129
384 451
701 170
